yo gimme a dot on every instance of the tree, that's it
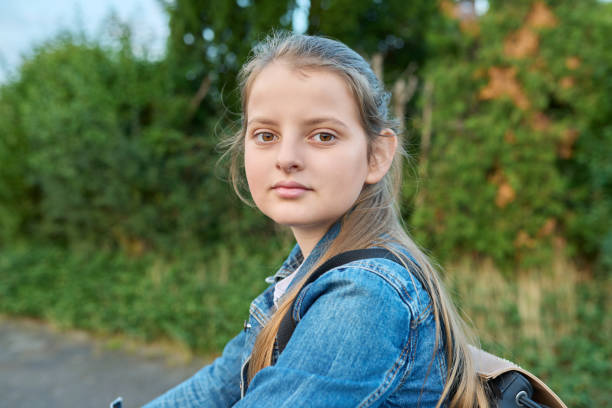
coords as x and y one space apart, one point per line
390 34
209 41
93 151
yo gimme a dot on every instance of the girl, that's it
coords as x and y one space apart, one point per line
320 155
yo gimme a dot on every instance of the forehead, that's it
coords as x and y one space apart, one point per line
284 88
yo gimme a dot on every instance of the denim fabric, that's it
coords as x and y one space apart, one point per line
365 338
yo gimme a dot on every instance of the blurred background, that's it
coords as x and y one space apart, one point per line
116 216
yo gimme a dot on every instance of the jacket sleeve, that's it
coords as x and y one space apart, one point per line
350 348
215 385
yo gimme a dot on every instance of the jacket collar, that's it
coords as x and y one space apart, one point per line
296 258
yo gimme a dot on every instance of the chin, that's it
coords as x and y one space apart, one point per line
289 218
290 222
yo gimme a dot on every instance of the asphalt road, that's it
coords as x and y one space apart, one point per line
43 367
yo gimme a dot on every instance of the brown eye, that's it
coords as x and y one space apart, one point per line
265 137
324 137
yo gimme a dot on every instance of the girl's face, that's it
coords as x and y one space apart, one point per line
306 153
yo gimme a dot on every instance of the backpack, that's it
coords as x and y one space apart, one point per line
510 386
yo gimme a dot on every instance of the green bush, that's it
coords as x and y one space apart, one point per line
198 299
98 145
93 149
519 157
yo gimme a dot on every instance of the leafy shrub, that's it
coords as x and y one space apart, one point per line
93 150
199 299
516 163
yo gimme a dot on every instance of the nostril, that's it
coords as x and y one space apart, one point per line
288 165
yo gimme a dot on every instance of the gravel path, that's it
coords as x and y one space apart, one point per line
42 367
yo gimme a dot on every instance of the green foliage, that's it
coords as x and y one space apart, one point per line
519 148
395 29
99 145
589 170
94 150
209 41
579 363
198 298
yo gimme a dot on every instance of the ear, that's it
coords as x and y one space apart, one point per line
383 151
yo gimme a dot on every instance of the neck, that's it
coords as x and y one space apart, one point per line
307 238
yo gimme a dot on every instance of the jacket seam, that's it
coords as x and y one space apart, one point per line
391 374
404 295
258 315
413 347
421 316
297 306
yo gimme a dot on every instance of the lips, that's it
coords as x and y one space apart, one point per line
290 189
290 184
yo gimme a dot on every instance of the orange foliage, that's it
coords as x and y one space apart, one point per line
540 122
566 146
523 240
522 43
547 228
540 16
503 83
572 62
450 9
505 193
525 41
567 82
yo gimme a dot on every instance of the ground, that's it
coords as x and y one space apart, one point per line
41 366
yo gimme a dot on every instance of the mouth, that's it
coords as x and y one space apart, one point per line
290 189
290 184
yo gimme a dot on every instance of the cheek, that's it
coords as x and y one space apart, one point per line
347 174
356 165
253 170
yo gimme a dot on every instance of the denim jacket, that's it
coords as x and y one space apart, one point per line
365 338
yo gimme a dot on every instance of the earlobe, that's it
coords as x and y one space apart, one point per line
383 152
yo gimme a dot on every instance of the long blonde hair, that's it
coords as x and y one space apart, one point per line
375 214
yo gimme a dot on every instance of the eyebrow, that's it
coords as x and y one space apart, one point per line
309 122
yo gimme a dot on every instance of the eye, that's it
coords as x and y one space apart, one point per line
324 137
265 137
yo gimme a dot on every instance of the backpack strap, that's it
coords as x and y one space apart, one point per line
288 324
489 367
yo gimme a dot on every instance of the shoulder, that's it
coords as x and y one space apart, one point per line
369 282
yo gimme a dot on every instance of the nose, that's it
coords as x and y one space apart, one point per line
289 158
